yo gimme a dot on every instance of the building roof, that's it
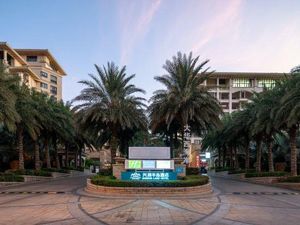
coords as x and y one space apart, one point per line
43 52
24 67
249 75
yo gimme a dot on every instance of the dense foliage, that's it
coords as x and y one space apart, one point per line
189 181
260 128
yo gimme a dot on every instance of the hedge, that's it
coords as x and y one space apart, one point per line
192 171
221 169
33 173
190 181
265 174
10 177
56 170
241 171
105 172
295 179
73 168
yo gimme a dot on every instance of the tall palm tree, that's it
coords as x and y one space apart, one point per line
288 115
28 122
8 113
184 101
108 104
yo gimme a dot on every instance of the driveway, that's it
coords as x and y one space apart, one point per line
64 202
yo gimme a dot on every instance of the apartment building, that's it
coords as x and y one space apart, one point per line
234 89
37 68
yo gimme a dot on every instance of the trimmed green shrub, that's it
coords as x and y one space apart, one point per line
33 173
73 168
56 170
10 177
105 172
221 169
265 174
192 180
241 171
192 171
295 179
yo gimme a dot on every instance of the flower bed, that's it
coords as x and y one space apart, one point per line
188 181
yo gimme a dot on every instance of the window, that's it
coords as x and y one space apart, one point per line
266 83
44 85
53 90
243 94
213 94
44 74
224 96
222 82
31 58
241 83
53 79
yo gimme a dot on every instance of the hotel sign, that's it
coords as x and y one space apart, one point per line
149 176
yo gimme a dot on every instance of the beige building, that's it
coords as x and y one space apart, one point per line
36 67
233 89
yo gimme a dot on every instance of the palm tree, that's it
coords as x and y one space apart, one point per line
108 105
8 113
28 120
288 116
185 101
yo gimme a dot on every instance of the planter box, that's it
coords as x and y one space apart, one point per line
146 191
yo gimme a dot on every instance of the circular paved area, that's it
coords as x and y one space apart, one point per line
232 202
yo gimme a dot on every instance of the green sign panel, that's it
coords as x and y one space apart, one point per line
134 164
149 176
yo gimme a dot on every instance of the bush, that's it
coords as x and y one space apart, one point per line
105 172
241 171
221 169
33 173
193 180
73 168
10 177
192 171
90 162
295 179
56 170
265 174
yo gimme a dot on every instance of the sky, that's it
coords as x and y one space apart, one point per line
235 35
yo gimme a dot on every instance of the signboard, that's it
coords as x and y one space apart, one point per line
134 164
149 176
131 164
164 164
148 164
149 153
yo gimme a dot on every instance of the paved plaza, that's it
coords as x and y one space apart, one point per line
64 202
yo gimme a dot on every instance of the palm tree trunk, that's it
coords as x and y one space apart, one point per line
20 147
171 145
76 158
56 153
270 156
67 154
113 149
247 159
37 163
219 157
258 155
224 157
231 157
236 160
80 155
47 153
292 134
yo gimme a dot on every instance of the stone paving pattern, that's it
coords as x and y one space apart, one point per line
233 202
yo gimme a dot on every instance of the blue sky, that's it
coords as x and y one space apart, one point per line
237 35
